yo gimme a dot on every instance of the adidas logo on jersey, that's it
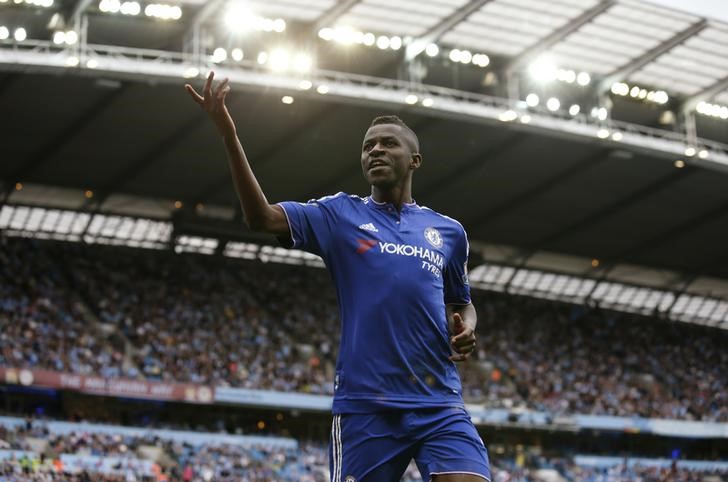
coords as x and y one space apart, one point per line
369 227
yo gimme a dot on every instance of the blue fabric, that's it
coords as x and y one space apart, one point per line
377 447
393 273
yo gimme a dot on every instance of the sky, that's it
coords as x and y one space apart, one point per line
716 9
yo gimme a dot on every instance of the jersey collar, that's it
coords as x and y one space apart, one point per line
378 205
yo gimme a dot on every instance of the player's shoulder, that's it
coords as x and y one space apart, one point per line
339 199
443 220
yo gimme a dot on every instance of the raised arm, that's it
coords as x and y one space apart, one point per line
259 214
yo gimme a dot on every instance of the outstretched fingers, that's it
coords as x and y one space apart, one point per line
222 89
207 89
195 96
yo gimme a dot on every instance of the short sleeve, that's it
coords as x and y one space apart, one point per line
457 289
311 224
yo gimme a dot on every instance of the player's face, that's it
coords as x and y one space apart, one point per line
386 155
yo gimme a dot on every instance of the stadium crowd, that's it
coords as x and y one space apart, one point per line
228 462
221 321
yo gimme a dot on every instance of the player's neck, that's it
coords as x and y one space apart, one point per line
396 195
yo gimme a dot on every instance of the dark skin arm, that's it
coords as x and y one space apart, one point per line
462 320
258 213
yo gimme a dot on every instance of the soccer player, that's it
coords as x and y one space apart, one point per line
401 283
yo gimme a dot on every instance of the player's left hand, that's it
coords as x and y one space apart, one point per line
463 340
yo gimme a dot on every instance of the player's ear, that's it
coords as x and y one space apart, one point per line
415 160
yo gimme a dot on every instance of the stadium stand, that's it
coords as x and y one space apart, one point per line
48 451
223 322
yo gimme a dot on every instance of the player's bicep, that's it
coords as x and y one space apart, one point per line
277 222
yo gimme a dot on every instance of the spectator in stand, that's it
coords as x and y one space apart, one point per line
217 321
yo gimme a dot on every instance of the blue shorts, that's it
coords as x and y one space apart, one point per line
377 447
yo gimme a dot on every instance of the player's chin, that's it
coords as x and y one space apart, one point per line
379 180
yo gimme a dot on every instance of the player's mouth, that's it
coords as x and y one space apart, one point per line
376 164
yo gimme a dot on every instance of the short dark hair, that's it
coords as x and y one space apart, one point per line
393 119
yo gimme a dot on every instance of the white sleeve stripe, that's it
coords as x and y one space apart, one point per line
290 226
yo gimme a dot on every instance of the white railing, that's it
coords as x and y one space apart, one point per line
147 64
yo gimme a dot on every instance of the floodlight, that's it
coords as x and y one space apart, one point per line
237 54
427 102
279 60
383 42
543 69
4 32
92 63
432 50
219 55
369 39
508 116
326 33
481 60
574 109
411 99
603 133
553 104
279 25
130 8
20 34
191 72
287 99
72 61
690 151
455 55
583 78
59 37
71 37
532 100
322 89
465 56
395 43
238 18
305 84
620 88
302 62
262 58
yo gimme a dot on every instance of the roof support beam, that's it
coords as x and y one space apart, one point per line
121 178
193 33
621 73
46 151
287 138
466 170
208 8
530 53
712 90
580 166
438 30
330 16
611 209
78 9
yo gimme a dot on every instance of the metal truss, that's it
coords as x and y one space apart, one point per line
175 67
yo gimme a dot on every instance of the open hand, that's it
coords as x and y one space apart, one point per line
463 340
212 101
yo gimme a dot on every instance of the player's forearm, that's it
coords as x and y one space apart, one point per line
258 213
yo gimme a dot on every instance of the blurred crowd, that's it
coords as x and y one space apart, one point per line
228 462
228 322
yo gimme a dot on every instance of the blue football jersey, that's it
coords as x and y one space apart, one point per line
394 272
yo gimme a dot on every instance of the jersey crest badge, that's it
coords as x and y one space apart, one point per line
433 237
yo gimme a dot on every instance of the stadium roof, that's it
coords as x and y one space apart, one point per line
107 114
